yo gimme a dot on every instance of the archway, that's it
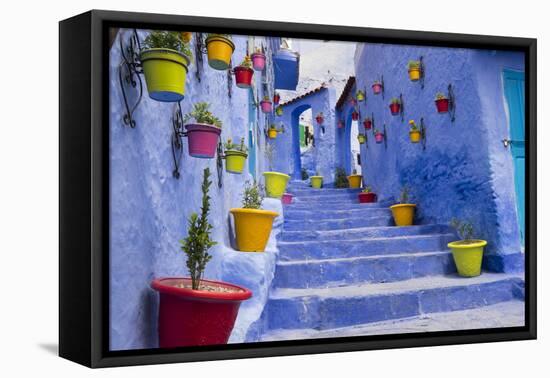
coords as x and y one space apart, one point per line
352 148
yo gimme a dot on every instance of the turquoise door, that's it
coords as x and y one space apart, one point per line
514 89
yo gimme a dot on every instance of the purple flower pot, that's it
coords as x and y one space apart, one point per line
287 199
379 137
202 140
258 61
267 107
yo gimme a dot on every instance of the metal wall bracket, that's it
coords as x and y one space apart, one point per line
385 137
422 72
199 48
219 163
383 87
177 143
452 102
129 71
402 107
423 133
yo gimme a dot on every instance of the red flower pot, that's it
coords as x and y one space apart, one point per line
276 99
287 199
319 120
394 109
340 124
192 317
258 61
266 106
367 197
243 76
377 88
355 116
367 124
442 105
202 140
379 137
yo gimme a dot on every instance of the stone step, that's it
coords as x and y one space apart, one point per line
329 308
322 214
336 224
333 205
311 192
353 270
363 232
325 249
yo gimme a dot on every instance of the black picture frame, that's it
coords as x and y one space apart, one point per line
83 196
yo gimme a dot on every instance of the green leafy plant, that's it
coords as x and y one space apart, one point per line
395 100
202 114
198 240
247 62
367 189
405 195
377 131
167 40
464 229
304 174
228 36
267 98
340 178
440 96
413 126
377 82
229 145
253 195
414 64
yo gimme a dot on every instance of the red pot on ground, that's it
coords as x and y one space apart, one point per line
377 88
202 139
243 76
319 119
367 124
258 61
379 137
287 199
355 116
276 99
394 108
442 105
192 317
367 197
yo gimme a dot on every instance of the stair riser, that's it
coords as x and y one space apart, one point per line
322 199
326 313
353 248
321 192
333 205
334 214
299 225
383 269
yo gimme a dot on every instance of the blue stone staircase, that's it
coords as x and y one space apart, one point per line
344 264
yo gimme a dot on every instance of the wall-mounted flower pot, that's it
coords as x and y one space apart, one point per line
266 106
316 182
442 105
272 133
360 96
258 61
276 99
196 317
202 139
367 197
219 50
278 111
165 71
414 74
403 214
319 120
395 108
243 76
377 88
354 181
415 136
234 161
252 228
468 255
287 199
361 138
367 124
379 137
275 184
355 116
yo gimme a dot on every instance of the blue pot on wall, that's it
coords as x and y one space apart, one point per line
286 65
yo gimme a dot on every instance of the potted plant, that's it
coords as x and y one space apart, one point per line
252 224
235 156
279 111
266 105
377 87
194 311
403 212
378 136
355 115
272 131
340 178
367 123
203 133
287 199
258 60
441 103
360 96
340 123
414 132
165 60
320 118
467 252
414 70
275 182
367 195
395 106
244 73
354 180
362 138
219 48
316 181
276 98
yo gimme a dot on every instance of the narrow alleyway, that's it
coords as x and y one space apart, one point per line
343 264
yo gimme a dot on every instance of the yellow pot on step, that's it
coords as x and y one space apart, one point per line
165 71
275 184
415 136
219 50
252 228
403 214
354 181
468 255
316 181
414 74
234 161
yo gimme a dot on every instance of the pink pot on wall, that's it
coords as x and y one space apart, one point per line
202 140
287 199
266 106
377 88
379 137
258 61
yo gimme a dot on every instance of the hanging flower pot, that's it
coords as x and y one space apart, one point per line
467 252
378 136
244 73
355 115
186 36
360 96
275 184
414 70
279 111
395 106
320 118
202 136
354 180
276 98
377 88
316 181
353 102
340 124
414 133
441 103
164 67
367 123
266 105
367 196
287 199
235 156
258 60
272 133
361 138
219 49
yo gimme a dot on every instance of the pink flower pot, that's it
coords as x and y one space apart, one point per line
377 88
266 106
202 140
287 199
379 137
258 61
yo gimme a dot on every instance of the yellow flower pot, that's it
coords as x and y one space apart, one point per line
415 136
234 161
316 181
252 228
186 36
403 214
275 184
272 133
468 255
414 74
219 50
165 71
354 181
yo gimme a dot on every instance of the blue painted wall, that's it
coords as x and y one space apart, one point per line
465 171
